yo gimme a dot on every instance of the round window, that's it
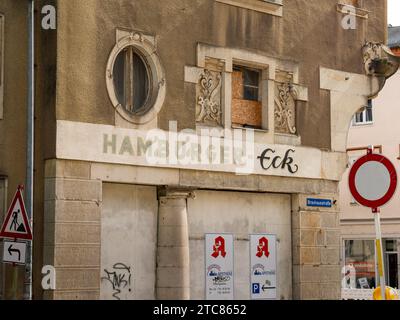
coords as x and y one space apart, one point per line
131 81
135 79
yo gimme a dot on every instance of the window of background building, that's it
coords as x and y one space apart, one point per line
360 254
131 81
1 64
364 115
246 97
391 263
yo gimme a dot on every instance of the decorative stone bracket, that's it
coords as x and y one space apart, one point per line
285 108
209 108
286 96
379 61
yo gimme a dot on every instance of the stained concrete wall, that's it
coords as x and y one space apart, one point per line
128 242
12 126
309 32
240 214
72 230
3 190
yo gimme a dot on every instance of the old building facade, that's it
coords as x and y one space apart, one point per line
160 122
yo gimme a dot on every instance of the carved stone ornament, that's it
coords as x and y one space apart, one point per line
379 60
285 108
209 109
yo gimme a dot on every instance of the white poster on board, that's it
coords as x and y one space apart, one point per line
219 266
263 266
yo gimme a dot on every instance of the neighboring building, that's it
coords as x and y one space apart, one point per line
394 39
113 221
376 125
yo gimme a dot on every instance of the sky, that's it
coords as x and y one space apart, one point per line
394 12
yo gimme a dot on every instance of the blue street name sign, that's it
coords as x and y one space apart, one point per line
322 203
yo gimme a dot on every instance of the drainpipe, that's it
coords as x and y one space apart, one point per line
30 147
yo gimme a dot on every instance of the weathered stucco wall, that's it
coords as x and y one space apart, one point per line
12 126
309 32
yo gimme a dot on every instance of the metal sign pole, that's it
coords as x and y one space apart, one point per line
30 147
379 251
378 243
14 283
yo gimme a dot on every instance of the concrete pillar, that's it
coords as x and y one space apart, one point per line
173 273
72 230
316 250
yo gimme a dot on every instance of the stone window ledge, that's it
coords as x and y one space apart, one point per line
273 7
253 129
362 13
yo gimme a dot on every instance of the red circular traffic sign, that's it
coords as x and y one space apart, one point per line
373 180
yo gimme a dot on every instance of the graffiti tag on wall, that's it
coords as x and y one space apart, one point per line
119 278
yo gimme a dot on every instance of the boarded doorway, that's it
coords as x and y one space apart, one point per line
128 242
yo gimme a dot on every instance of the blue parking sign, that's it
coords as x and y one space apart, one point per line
256 288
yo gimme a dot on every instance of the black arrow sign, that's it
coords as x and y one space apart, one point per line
11 250
264 288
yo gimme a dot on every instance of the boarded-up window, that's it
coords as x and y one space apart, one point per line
1 64
246 98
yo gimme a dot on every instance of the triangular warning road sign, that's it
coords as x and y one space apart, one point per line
16 224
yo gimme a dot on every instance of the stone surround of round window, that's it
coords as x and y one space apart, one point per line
135 79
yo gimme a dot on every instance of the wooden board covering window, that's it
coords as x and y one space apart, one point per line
244 112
